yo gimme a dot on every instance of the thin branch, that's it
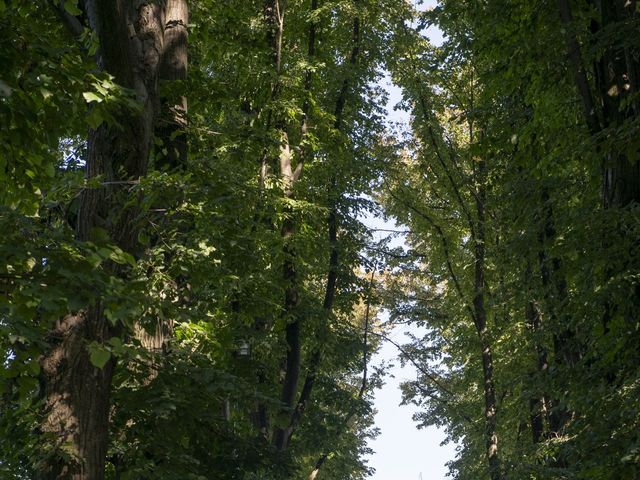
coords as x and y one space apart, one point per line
443 164
363 387
404 232
419 367
311 51
443 401
353 60
388 253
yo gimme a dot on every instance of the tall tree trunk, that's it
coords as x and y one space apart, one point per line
291 302
538 404
290 176
480 320
617 74
616 82
171 128
273 14
565 349
283 436
76 398
76 393
273 17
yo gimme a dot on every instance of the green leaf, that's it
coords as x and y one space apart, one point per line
34 368
95 118
71 6
91 97
50 170
121 257
99 235
98 354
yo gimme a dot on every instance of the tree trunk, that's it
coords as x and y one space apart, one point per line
283 435
579 73
616 80
538 404
76 393
173 111
76 398
566 349
480 320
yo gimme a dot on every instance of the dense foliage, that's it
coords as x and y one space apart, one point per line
190 293
520 186
231 315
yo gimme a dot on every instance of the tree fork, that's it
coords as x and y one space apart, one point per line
284 437
290 176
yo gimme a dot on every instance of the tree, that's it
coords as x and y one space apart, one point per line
76 383
193 294
549 292
162 267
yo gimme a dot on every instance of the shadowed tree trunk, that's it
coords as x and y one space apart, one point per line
617 82
480 321
76 393
538 404
283 435
173 112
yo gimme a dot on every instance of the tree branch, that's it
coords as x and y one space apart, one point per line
445 247
439 156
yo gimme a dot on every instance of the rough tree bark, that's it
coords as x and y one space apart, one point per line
76 393
171 126
173 67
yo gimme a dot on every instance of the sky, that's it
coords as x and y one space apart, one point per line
402 452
